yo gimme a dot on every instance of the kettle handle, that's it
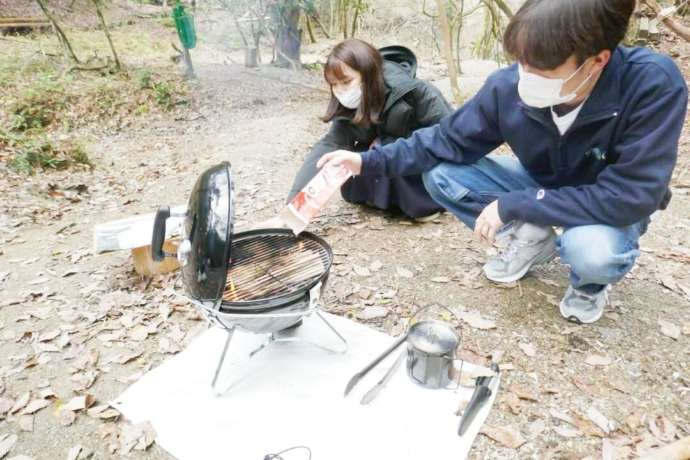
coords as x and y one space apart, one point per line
410 321
158 236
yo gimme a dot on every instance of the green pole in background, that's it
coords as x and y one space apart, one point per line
184 23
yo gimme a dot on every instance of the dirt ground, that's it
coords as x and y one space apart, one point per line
73 322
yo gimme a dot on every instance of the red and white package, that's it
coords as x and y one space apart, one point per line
313 197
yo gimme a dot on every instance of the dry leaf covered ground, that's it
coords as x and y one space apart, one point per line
76 328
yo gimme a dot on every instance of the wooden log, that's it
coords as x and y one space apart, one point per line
144 264
13 20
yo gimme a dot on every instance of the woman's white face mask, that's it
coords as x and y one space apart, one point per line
540 92
349 97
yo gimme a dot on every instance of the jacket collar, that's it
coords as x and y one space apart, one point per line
604 100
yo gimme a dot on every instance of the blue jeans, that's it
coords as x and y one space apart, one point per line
597 254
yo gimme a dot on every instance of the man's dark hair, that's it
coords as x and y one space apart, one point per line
366 60
545 33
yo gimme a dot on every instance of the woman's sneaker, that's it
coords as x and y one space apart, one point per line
582 308
527 245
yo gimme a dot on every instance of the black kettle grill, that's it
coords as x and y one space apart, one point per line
262 281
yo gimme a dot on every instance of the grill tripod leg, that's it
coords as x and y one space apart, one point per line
221 361
335 331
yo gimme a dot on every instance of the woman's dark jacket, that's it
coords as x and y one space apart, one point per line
410 104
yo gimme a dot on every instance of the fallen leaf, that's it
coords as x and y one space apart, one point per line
567 432
370 313
584 384
164 310
74 453
468 378
598 360
36 405
361 271
67 417
668 282
95 410
137 437
600 420
376 266
441 279
536 428
608 450
166 345
475 320
513 403
80 402
139 333
83 380
21 402
26 423
5 405
662 429
669 329
507 437
46 393
404 273
528 349
110 414
634 420
7 441
562 416
124 358
50 335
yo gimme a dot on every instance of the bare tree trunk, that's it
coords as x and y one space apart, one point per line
323 29
107 33
309 29
503 6
288 39
58 31
448 50
671 23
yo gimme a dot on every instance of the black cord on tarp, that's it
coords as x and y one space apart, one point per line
278 455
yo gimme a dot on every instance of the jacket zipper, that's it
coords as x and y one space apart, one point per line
560 140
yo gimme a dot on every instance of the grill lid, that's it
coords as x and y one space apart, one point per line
207 234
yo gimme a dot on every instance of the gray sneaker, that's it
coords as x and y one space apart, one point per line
582 308
526 245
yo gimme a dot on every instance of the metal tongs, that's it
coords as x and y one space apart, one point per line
359 375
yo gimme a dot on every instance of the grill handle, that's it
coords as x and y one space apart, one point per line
158 237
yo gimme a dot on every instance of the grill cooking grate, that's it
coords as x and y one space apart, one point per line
268 266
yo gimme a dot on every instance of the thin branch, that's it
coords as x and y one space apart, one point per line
107 33
316 20
58 31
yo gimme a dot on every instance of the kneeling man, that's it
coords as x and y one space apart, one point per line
594 127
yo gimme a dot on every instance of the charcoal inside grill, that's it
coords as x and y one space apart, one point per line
268 266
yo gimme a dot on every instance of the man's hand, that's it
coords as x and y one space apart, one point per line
351 160
488 223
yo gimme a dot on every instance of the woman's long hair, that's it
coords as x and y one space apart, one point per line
367 60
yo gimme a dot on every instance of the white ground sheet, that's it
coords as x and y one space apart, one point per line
292 394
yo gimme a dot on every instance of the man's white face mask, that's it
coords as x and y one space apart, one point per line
540 92
350 97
